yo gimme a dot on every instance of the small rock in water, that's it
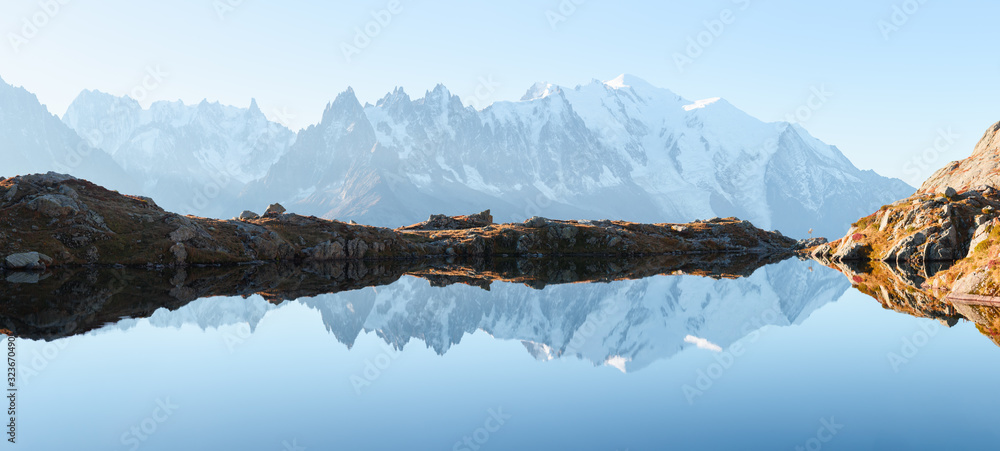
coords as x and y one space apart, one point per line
27 260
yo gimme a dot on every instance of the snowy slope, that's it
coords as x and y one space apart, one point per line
621 148
32 140
192 159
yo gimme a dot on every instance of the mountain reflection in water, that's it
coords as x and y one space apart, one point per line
337 356
629 321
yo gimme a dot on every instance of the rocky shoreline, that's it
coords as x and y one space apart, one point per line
925 254
952 219
53 220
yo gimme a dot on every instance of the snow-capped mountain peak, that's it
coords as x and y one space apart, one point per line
540 90
625 81
621 148
191 158
701 103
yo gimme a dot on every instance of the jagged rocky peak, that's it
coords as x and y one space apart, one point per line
397 96
980 169
345 105
254 109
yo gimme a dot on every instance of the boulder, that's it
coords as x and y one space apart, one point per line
852 250
948 192
248 215
180 253
942 246
536 222
9 196
811 242
28 261
969 283
182 234
905 248
274 210
981 234
54 205
149 202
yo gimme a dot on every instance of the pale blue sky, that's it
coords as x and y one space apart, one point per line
891 97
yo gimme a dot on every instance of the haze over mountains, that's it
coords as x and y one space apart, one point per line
620 149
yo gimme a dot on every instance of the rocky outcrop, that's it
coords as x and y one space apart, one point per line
973 173
442 222
920 229
79 223
934 254
947 219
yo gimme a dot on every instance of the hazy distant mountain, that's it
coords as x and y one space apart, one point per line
616 149
628 324
34 141
192 159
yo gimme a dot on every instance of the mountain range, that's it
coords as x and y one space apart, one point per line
620 149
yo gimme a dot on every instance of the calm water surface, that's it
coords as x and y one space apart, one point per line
789 357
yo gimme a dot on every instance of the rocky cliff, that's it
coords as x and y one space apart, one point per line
934 254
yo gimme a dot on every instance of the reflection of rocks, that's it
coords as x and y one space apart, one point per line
951 217
899 288
986 317
71 301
